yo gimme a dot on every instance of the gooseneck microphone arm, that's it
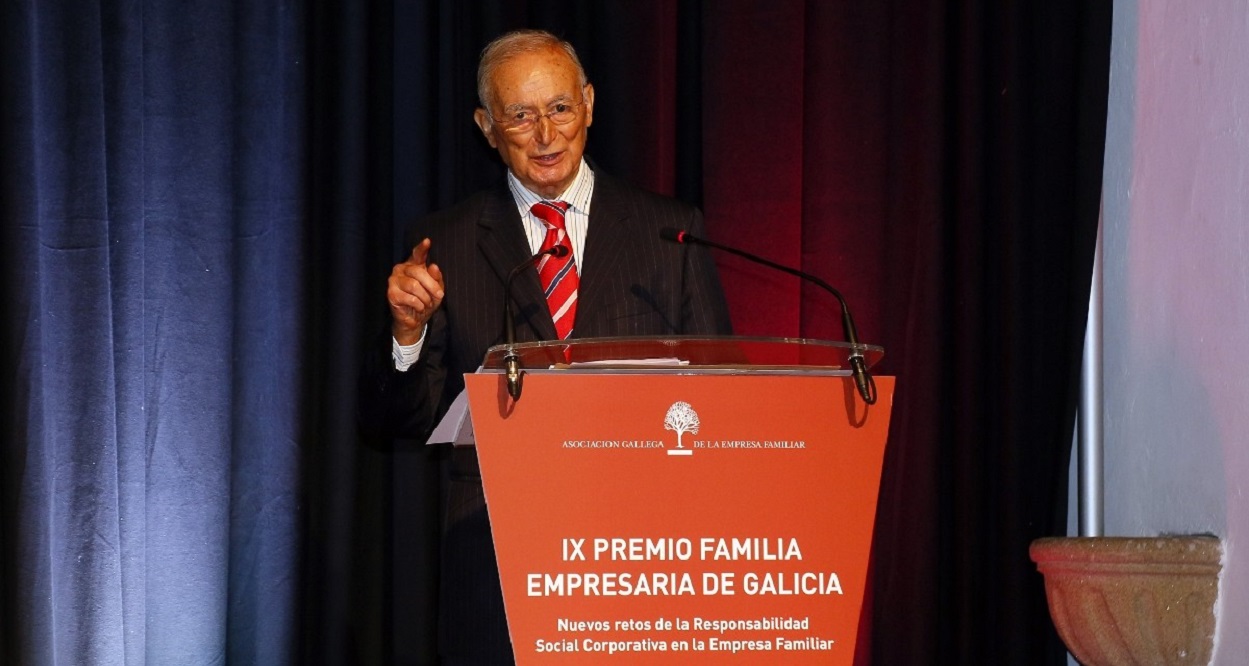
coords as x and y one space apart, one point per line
858 367
511 360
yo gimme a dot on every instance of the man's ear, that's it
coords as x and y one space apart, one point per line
486 125
588 93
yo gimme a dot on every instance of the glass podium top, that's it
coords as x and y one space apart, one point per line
685 354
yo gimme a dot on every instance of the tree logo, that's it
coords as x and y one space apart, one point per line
681 418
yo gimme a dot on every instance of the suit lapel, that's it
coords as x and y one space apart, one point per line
502 241
606 235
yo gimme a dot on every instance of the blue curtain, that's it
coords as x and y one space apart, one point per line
153 207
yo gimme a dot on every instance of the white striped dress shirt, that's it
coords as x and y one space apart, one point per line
576 219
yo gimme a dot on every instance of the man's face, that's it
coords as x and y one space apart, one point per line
544 157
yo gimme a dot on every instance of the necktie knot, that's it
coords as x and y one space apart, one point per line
551 213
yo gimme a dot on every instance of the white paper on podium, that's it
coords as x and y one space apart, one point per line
630 362
455 427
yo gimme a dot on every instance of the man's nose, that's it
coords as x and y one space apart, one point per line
544 131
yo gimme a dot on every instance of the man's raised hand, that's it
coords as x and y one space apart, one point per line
414 291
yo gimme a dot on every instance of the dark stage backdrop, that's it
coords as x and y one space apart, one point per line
200 202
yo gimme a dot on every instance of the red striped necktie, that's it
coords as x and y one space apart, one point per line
558 276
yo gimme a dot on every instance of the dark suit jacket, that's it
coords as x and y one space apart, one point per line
632 283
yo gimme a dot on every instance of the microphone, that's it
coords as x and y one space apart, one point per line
858 368
511 360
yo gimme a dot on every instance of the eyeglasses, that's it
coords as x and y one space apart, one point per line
524 120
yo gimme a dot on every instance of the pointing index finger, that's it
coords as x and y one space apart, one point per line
420 253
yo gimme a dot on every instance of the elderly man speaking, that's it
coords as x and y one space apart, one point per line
446 298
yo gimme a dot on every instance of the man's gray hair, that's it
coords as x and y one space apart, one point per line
511 45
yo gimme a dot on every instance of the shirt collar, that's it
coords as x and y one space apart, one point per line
578 193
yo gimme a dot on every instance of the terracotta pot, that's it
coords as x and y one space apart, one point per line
1127 600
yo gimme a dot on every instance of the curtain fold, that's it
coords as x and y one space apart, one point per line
152 200
200 202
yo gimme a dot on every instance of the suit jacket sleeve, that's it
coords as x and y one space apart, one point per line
402 404
394 404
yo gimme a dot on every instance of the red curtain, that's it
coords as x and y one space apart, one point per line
940 164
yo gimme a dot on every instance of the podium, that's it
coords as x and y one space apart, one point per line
681 500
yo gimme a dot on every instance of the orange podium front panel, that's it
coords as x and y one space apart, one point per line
681 518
